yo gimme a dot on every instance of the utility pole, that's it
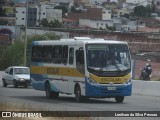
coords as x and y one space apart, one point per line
25 41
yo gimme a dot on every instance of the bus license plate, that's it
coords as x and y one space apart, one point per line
111 88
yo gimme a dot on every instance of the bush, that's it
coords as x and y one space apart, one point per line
14 55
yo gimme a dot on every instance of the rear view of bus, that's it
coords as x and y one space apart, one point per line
86 67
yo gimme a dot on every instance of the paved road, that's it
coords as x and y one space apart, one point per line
37 99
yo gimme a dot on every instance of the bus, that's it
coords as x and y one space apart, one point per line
85 67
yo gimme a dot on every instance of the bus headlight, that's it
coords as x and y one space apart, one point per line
90 81
129 81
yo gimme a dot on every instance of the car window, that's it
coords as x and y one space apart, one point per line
21 71
11 71
7 70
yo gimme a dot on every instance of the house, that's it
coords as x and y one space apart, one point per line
69 22
91 13
20 16
109 5
97 24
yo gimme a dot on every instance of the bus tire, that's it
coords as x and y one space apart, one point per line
78 95
4 83
119 99
50 94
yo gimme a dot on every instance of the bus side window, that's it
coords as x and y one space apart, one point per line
47 54
71 56
65 54
37 53
80 61
57 54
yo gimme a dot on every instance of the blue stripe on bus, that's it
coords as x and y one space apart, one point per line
39 81
102 91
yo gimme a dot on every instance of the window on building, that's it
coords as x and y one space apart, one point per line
22 18
23 12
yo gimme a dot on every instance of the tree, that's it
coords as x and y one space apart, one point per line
53 24
13 55
140 11
46 36
44 22
57 24
73 9
2 13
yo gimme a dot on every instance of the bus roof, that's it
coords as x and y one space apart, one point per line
76 41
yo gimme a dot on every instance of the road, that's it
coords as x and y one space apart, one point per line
37 99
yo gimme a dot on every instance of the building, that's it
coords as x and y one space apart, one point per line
20 16
106 14
91 13
140 2
97 24
69 23
41 12
53 14
32 17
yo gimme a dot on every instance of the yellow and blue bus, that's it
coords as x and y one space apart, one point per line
86 67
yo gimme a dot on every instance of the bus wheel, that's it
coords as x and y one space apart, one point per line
50 94
119 99
78 96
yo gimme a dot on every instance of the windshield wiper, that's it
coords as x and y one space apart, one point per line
115 64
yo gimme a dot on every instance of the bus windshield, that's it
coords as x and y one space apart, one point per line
108 57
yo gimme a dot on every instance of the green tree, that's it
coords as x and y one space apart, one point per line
44 22
14 54
56 24
2 13
140 11
46 36
53 24
73 9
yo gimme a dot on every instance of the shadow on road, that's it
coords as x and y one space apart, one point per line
65 99
19 87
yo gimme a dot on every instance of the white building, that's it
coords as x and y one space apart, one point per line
48 12
20 15
140 2
52 14
98 24
106 14
62 1
41 12
99 2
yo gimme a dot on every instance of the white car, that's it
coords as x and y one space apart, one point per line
17 76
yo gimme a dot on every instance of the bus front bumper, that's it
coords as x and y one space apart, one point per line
103 91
